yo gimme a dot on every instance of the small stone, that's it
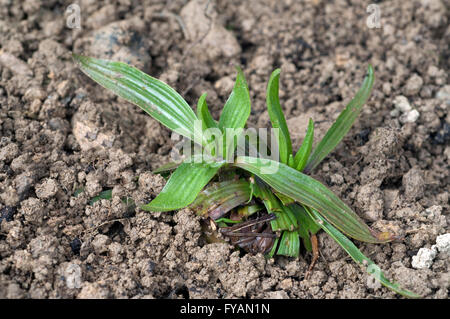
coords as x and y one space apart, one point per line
413 85
34 93
224 85
7 213
387 88
14 291
47 189
100 243
35 108
33 210
410 117
286 284
424 258
9 152
23 184
433 71
213 39
443 243
373 283
63 88
336 179
401 105
93 291
75 245
14 64
278 295
93 185
149 182
370 200
444 94
413 183
73 276
115 250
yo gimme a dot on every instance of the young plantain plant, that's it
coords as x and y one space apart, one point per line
259 209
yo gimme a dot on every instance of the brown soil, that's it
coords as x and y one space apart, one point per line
60 131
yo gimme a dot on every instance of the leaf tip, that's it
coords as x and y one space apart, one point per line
78 57
385 236
370 70
275 73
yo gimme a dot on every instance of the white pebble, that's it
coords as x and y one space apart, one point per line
73 276
443 243
424 258
401 103
409 117
403 109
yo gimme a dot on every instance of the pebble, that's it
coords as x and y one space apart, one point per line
410 117
443 243
100 243
424 258
444 94
15 65
413 85
9 152
73 276
401 104
46 189
405 110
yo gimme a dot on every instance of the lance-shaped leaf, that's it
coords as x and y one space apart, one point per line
168 167
285 218
246 211
312 193
219 198
277 117
204 115
303 153
342 125
289 244
183 186
358 256
107 194
236 111
152 95
274 248
210 128
283 198
308 226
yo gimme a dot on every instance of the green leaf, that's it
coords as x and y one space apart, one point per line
246 211
204 115
219 198
107 194
342 125
289 244
311 193
183 186
78 191
277 117
235 112
285 218
210 128
168 167
283 198
308 226
291 161
303 153
358 256
152 95
271 253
